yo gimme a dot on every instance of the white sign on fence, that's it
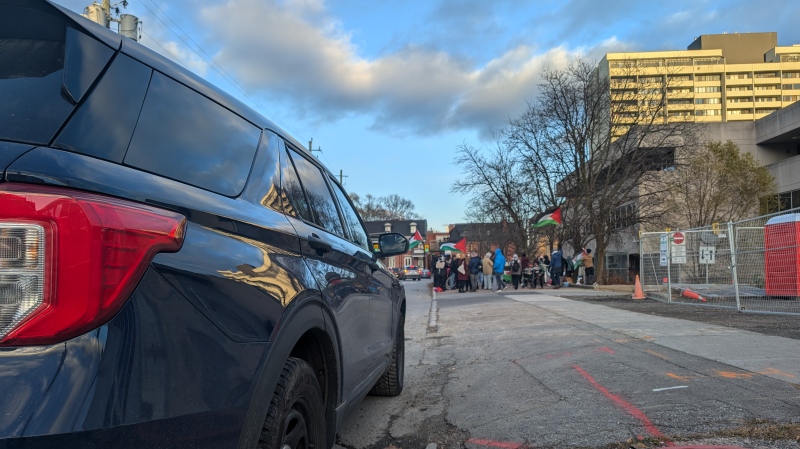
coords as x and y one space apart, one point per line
678 249
708 255
663 253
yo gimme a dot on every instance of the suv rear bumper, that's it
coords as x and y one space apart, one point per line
149 377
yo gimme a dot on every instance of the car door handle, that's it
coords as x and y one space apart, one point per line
318 244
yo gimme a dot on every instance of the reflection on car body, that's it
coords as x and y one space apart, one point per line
188 265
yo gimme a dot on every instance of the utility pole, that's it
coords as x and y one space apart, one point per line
127 24
341 176
311 147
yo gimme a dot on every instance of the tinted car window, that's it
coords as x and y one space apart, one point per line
296 204
103 125
319 197
85 59
185 136
351 221
32 46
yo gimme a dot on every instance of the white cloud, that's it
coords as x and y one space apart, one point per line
293 52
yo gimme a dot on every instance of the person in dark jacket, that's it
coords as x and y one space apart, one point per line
440 273
556 261
462 278
516 271
475 268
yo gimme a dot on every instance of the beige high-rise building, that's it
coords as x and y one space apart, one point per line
719 78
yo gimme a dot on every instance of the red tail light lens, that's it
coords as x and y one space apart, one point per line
69 260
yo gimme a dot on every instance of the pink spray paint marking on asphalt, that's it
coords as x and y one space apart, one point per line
627 406
491 443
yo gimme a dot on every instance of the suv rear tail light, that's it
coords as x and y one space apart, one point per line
69 260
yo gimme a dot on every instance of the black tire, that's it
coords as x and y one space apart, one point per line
296 416
391 383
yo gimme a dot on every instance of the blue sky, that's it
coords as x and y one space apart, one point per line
388 89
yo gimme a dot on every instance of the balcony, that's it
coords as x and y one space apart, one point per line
739 105
738 81
739 93
740 117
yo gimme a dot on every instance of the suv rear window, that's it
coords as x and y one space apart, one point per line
31 73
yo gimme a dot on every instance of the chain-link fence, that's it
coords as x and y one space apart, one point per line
751 265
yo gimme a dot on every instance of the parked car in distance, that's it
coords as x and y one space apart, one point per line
399 273
412 272
426 273
176 270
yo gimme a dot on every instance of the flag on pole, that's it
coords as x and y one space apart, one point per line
415 240
458 247
551 217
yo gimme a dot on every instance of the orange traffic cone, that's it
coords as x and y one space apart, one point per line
638 293
692 295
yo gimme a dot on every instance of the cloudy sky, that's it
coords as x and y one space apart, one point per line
388 89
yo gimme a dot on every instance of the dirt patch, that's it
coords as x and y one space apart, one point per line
768 324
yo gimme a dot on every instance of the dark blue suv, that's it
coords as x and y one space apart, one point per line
175 271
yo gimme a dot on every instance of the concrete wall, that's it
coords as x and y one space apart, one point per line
787 174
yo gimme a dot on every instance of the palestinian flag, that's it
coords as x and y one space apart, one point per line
415 240
551 217
458 247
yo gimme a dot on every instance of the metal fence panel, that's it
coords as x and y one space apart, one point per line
748 265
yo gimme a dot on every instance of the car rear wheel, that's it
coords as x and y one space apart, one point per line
391 383
296 416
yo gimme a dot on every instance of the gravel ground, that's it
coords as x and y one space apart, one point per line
768 324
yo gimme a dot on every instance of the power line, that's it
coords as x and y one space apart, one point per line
207 58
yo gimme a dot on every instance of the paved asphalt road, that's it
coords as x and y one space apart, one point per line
517 370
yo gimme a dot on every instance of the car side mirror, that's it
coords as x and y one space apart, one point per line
392 244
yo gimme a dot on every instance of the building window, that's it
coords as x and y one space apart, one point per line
791 97
706 89
650 80
739 111
679 62
706 100
406 261
651 63
679 78
791 74
622 64
708 61
767 87
766 110
790 58
765 75
737 76
791 87
739 88
680 113
707 78
680 90
708 112
740 100
765 99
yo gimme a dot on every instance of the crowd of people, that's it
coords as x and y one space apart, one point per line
469 273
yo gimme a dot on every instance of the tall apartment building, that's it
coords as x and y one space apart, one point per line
719 78
742 86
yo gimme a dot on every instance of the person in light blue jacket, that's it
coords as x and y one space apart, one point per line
499 266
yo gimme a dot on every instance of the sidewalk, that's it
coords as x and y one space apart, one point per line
776 357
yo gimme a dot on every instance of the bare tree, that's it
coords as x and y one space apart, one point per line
390 207
597 147
496 181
